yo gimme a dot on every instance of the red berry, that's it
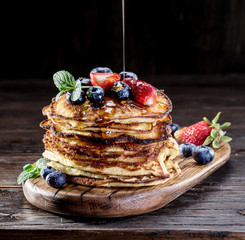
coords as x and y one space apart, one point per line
104 80
132 82
143 92
196 133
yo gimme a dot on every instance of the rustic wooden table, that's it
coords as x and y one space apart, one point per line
214 209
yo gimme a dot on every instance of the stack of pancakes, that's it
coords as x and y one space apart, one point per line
118 143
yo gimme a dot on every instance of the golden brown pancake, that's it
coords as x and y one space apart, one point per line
110 110
118 143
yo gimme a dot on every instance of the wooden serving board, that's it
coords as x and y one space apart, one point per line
86 201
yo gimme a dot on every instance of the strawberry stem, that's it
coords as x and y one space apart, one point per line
216 135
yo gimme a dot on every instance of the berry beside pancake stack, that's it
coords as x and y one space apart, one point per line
110 130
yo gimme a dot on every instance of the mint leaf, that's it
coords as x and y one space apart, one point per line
42 162
58 95
28 167
76 93
35 171
63 80
24 176
31 171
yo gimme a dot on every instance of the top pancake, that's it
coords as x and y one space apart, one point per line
110 111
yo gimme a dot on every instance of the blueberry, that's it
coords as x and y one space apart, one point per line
128 75
56 179
121 90
85 82
101 70
45 171
203 154
186 149
174 127
79 101
96 94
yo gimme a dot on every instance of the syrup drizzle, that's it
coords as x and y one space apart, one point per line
123 30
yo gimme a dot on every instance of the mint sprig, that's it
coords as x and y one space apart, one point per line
64 81
31 171
217 134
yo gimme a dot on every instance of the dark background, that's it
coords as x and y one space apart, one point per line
162 37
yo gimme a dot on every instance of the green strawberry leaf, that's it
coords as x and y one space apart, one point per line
207 121
214 133
215 120
225 125
208 140
225 139
215 143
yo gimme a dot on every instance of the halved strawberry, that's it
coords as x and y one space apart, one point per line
143 92
104 80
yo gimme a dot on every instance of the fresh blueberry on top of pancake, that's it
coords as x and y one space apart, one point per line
95 94
121 90
128 75
85 82
79 101
101 70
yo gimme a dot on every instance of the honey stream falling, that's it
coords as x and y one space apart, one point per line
123 31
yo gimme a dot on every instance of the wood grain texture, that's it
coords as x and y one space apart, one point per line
77 200
212 209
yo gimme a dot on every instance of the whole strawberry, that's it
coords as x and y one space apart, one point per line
204 133
196 133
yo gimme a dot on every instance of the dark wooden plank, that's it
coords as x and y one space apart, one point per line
12 166
115 234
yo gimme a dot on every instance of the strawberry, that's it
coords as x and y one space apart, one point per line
196 133
104 80
143 92
204 133
132 82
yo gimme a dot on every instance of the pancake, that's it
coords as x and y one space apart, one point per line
115 144
110 110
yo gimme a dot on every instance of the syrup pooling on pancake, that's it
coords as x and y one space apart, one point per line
118 142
